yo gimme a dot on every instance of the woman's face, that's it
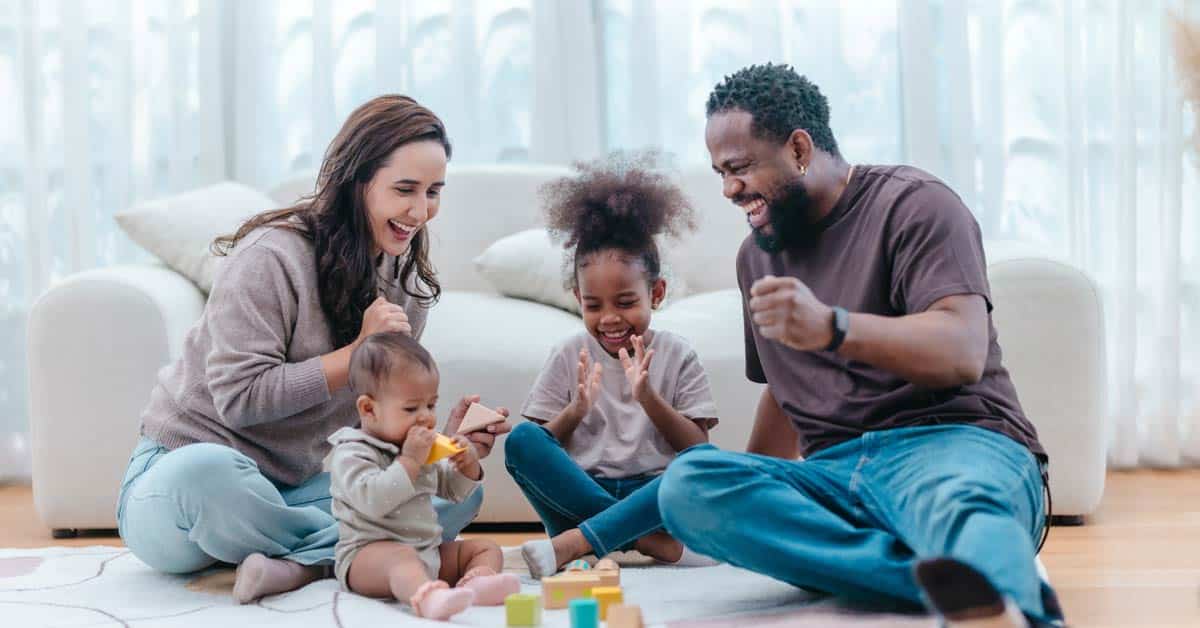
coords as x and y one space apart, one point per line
404 194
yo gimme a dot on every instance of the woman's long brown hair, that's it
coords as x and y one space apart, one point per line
335 217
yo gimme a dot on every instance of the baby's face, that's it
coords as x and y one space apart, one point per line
408 398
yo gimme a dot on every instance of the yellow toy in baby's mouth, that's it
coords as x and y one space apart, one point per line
443 447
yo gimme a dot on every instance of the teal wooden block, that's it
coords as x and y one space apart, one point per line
585 613
523 609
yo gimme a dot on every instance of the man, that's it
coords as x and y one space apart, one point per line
867 314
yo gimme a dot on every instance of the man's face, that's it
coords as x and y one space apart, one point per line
762 178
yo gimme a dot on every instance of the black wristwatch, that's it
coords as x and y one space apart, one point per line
841 324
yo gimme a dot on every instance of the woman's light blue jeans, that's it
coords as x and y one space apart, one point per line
853 519
612 513
185 509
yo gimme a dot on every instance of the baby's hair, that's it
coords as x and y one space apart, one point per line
380 355
621 202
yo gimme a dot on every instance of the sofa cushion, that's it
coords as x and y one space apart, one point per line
179 229
529 265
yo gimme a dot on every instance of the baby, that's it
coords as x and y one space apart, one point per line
389 541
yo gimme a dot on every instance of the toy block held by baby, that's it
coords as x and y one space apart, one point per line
624 616
605 597
443 447
558 591
523 609
584 613
479 417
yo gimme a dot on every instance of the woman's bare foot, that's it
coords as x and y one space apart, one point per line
259 576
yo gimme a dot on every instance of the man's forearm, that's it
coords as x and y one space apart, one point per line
934 349
773 434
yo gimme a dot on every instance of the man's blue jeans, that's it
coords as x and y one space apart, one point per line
183 510
853 519
612 513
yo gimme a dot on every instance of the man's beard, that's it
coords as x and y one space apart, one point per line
788 217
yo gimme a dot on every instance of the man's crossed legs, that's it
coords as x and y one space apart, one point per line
855 519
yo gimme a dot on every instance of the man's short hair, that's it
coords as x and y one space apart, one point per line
779 100
382 354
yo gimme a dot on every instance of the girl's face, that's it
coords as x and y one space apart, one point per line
616 299
404 195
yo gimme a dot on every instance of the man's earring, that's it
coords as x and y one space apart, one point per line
803 170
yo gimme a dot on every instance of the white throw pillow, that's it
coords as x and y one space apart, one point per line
179 229
528 265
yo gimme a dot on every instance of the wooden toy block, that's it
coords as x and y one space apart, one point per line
558 590
605 597
584 613
624 616
608 578
478 417
523 609
578 564
607 564
443 447
609 572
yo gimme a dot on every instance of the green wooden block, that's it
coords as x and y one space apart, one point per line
523 609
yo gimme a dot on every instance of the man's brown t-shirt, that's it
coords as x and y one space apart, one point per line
896 241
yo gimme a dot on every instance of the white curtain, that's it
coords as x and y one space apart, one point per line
1057 120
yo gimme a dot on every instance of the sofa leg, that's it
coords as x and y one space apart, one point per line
1066 520
64 533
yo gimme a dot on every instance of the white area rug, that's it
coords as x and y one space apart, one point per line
106 586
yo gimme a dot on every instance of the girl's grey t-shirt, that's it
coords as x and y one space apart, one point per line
617 439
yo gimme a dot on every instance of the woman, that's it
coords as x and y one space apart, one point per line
229 461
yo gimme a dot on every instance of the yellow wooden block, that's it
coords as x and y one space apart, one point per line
443 447
557 591
605 597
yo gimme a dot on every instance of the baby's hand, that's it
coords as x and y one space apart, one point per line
417 444
467 460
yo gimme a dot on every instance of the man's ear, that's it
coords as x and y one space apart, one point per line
801 146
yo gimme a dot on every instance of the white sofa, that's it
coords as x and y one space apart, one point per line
98 338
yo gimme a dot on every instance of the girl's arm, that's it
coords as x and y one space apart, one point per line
587 386
680 431
563 425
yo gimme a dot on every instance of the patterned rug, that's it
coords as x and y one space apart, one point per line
106 586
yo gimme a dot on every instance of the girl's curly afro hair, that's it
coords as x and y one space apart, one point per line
621 202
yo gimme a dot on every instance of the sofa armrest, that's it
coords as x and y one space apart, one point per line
1050 323
96 343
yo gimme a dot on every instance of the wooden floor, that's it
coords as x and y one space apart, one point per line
1136 562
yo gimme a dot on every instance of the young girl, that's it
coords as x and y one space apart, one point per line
390 543
614 404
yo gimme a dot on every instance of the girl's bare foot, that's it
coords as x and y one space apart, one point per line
490 587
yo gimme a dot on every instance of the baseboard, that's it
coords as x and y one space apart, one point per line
1067 520
505 527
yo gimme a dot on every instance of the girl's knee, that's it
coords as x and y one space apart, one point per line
523 441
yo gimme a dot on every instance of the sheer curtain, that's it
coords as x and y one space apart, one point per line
111 102
1059 122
